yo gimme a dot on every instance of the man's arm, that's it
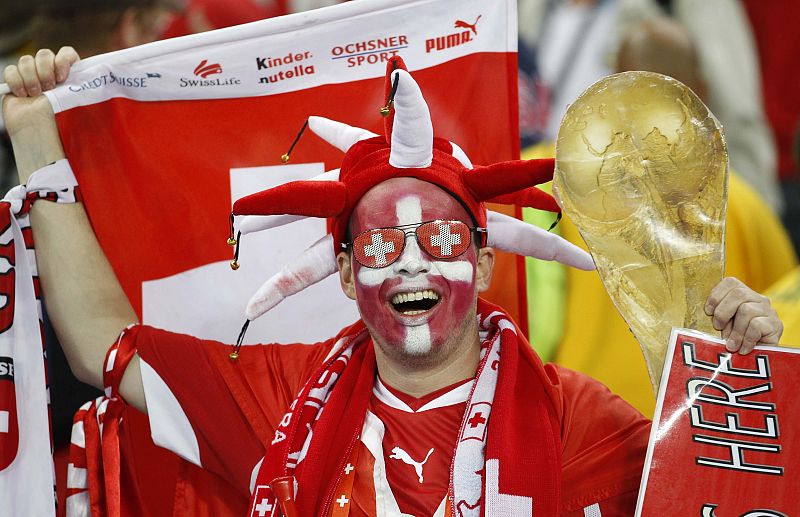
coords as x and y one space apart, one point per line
85 301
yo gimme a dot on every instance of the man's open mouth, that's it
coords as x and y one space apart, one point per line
413 303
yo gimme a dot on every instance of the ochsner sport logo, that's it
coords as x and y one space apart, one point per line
202 71
454 39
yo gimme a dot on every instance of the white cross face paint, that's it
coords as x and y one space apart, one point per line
417 302
418 340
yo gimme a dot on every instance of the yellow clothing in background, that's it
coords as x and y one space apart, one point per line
596 340
785 296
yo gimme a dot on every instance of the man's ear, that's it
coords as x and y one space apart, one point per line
484 268
346 274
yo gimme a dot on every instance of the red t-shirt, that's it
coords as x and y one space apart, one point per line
219 414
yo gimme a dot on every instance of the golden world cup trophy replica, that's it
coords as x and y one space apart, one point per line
641 169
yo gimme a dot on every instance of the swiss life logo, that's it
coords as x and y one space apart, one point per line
204 69
202 76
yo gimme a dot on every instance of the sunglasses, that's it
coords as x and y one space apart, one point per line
443 240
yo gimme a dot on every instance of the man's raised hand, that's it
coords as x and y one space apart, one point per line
33 75
745 317
27 113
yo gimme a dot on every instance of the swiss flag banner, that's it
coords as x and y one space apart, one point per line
163 139
725 440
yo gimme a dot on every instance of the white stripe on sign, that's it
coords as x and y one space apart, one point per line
592 511
4 415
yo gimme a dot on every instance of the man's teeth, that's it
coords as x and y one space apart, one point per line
417 295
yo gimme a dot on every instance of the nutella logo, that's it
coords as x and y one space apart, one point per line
369 52
454 39
284 67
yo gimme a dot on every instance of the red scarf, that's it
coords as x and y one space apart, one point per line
519 447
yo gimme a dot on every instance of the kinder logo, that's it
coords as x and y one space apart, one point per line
285 67
454 39
204 69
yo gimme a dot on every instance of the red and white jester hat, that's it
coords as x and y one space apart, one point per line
409 149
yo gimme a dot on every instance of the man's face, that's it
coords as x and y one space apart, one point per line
418 304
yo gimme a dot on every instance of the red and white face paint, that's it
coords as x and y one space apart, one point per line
417 302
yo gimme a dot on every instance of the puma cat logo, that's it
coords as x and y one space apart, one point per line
400 454
460 24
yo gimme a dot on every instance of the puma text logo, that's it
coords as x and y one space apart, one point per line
464 25
400 454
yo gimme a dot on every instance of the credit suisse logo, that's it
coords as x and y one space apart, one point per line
467 33
369 51
101 81
201 74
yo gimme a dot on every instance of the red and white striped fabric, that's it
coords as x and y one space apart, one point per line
26 464
93 473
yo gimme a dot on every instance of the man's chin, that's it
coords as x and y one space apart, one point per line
418 341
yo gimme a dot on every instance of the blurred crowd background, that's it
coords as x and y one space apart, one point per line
739 56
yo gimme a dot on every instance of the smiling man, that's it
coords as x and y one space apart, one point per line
419 309
432 404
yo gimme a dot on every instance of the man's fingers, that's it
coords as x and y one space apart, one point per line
761 331
64 60
720 291
733 301
27 69
14 81
45 68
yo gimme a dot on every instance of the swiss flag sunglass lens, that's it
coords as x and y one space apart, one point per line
381 247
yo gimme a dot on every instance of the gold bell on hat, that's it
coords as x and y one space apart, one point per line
285 158
386 110
231 241
234 264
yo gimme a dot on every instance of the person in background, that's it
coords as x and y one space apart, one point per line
205 15
757 247
569 44
99 26
778 43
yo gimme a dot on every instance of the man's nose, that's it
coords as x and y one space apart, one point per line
413 260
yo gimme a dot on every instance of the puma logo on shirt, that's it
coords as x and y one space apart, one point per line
400 454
